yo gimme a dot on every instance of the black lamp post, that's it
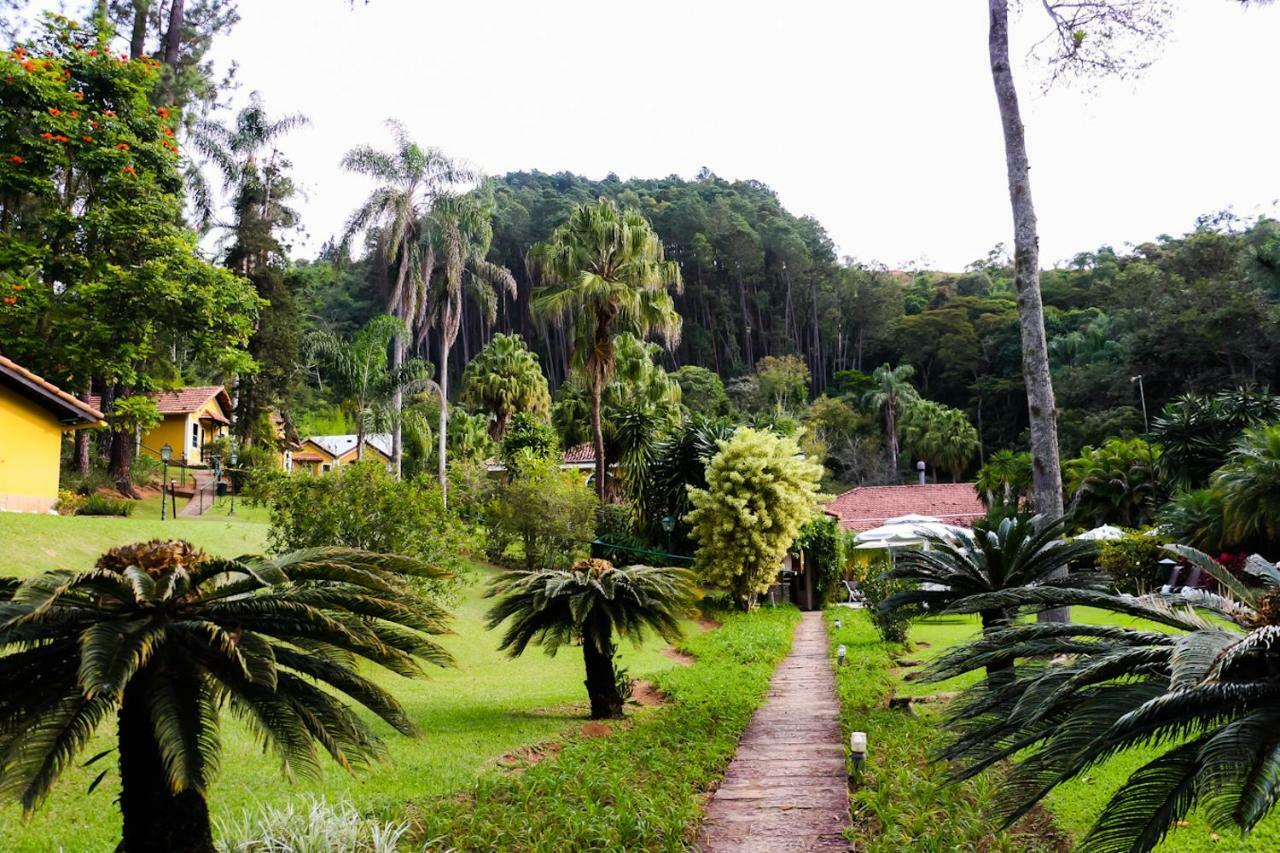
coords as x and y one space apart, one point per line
668 527
166 453
231 480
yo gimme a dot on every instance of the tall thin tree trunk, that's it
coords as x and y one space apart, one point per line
597 434
82 442
441 461
155 820
747 351
138 36
397 406
1046 472
173 35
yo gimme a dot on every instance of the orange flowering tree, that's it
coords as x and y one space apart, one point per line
100 283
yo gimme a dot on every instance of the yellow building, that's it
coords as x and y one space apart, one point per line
33 415
192 418
322 453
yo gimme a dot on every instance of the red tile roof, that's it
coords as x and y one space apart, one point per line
870 506
583 454
49 395
184 401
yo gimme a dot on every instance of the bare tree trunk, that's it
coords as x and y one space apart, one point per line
82 443
397 406
747 352
173 36
597 434
1046 473
138 36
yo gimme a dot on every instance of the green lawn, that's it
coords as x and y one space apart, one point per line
1075 804
470 715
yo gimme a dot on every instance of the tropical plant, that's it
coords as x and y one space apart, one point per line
1194 434
1195 518
1202 696
604 272
679 464
529 438
505 378
1005 480
588 604
939 435
783 381
1249 483
890 396
1132 562
702 391
760 492
313 826
167 638
551 512
369 387
411 179
1010 553
1119 482
459 232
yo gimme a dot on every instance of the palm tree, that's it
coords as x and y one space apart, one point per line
1120 481
890 396
1204 695
167 638
1250 487
505 378
459 232
1005 479
589 603
411 180
368 385
604 272
1014 552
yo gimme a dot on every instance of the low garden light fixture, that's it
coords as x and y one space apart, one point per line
838 625
841 653
858 749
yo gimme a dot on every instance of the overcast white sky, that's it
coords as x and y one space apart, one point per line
874 116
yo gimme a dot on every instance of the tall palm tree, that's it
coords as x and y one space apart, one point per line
890 396
1005 479
167 638
604 272
411 180
1250 487
368 385
459 232
588 604
1203 696
1014 552
505 378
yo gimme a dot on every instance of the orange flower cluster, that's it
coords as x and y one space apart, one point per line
129 170
10 300
123 146
54 111
47 136
16 160
163 112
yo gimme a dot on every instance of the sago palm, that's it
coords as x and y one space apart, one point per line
590 604
411 180
1249 483
167 638
367 385
1204 698
1014 552
505 378
605 272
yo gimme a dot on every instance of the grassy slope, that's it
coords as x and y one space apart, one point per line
1076 803
487 706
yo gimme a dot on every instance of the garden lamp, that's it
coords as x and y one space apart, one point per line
668 527
858 749
231 478
166 453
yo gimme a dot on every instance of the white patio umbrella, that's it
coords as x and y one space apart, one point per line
1099 534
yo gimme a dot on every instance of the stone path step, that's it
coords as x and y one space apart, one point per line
787 789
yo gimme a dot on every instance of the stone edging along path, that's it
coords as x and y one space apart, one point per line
787 789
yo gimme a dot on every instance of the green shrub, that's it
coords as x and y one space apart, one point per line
365 506
145 470
550 512
877 586
1133 562
316 827
69 503
104 505
824 553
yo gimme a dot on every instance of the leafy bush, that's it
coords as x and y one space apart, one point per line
317 827
551 512
84 486
1133 562
69 503
528 438
824 553
760 491
103 505
364 506
145 470
875 583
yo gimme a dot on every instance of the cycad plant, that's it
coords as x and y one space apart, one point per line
590 604
167 638
1250 487
1202 700
1015 552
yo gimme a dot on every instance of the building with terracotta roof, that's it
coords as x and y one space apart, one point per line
865 507
322 453
34 413
191 418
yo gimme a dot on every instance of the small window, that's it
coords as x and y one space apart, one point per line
195 436
325 467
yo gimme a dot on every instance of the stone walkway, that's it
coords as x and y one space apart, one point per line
787 789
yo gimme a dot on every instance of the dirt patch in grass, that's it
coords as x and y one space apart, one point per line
595 729
646 693
519 760
1040 825
672 653
705 624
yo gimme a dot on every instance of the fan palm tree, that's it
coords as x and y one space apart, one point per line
167 638
459 232
1005 479
505 378
604 272
1204 695
1014 552
1250 487
891 394
590 603
367 384
411 180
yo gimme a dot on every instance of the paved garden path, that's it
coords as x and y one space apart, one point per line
787 789
204 494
